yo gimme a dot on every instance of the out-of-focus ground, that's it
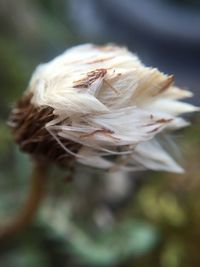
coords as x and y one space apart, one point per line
148 219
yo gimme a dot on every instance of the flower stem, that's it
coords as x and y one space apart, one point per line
37 191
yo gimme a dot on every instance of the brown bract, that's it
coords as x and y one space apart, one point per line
28 122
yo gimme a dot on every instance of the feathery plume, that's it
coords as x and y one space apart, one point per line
100 106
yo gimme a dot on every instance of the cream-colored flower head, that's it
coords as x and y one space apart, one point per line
104 100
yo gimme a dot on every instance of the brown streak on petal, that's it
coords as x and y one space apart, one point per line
164 120
107 48
103 131
154 130
113 88
99 60
161 121
91 77
166 85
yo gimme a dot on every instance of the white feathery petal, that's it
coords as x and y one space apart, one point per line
130 126
152 156
122 127
150 85
89 158
177 123
171 107
176 93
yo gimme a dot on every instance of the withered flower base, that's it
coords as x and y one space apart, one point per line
28 122
95 104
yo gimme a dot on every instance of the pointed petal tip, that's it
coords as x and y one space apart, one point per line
179 170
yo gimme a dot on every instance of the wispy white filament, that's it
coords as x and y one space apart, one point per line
109 102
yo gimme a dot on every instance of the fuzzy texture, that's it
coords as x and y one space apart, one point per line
104 99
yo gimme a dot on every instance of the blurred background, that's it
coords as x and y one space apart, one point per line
145 219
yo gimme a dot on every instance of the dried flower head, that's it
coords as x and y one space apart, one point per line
102 107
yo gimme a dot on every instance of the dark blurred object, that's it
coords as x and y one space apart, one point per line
188 3
165 34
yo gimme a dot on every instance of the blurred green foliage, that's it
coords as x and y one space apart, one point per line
157 225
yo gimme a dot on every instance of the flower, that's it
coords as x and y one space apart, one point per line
102 107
